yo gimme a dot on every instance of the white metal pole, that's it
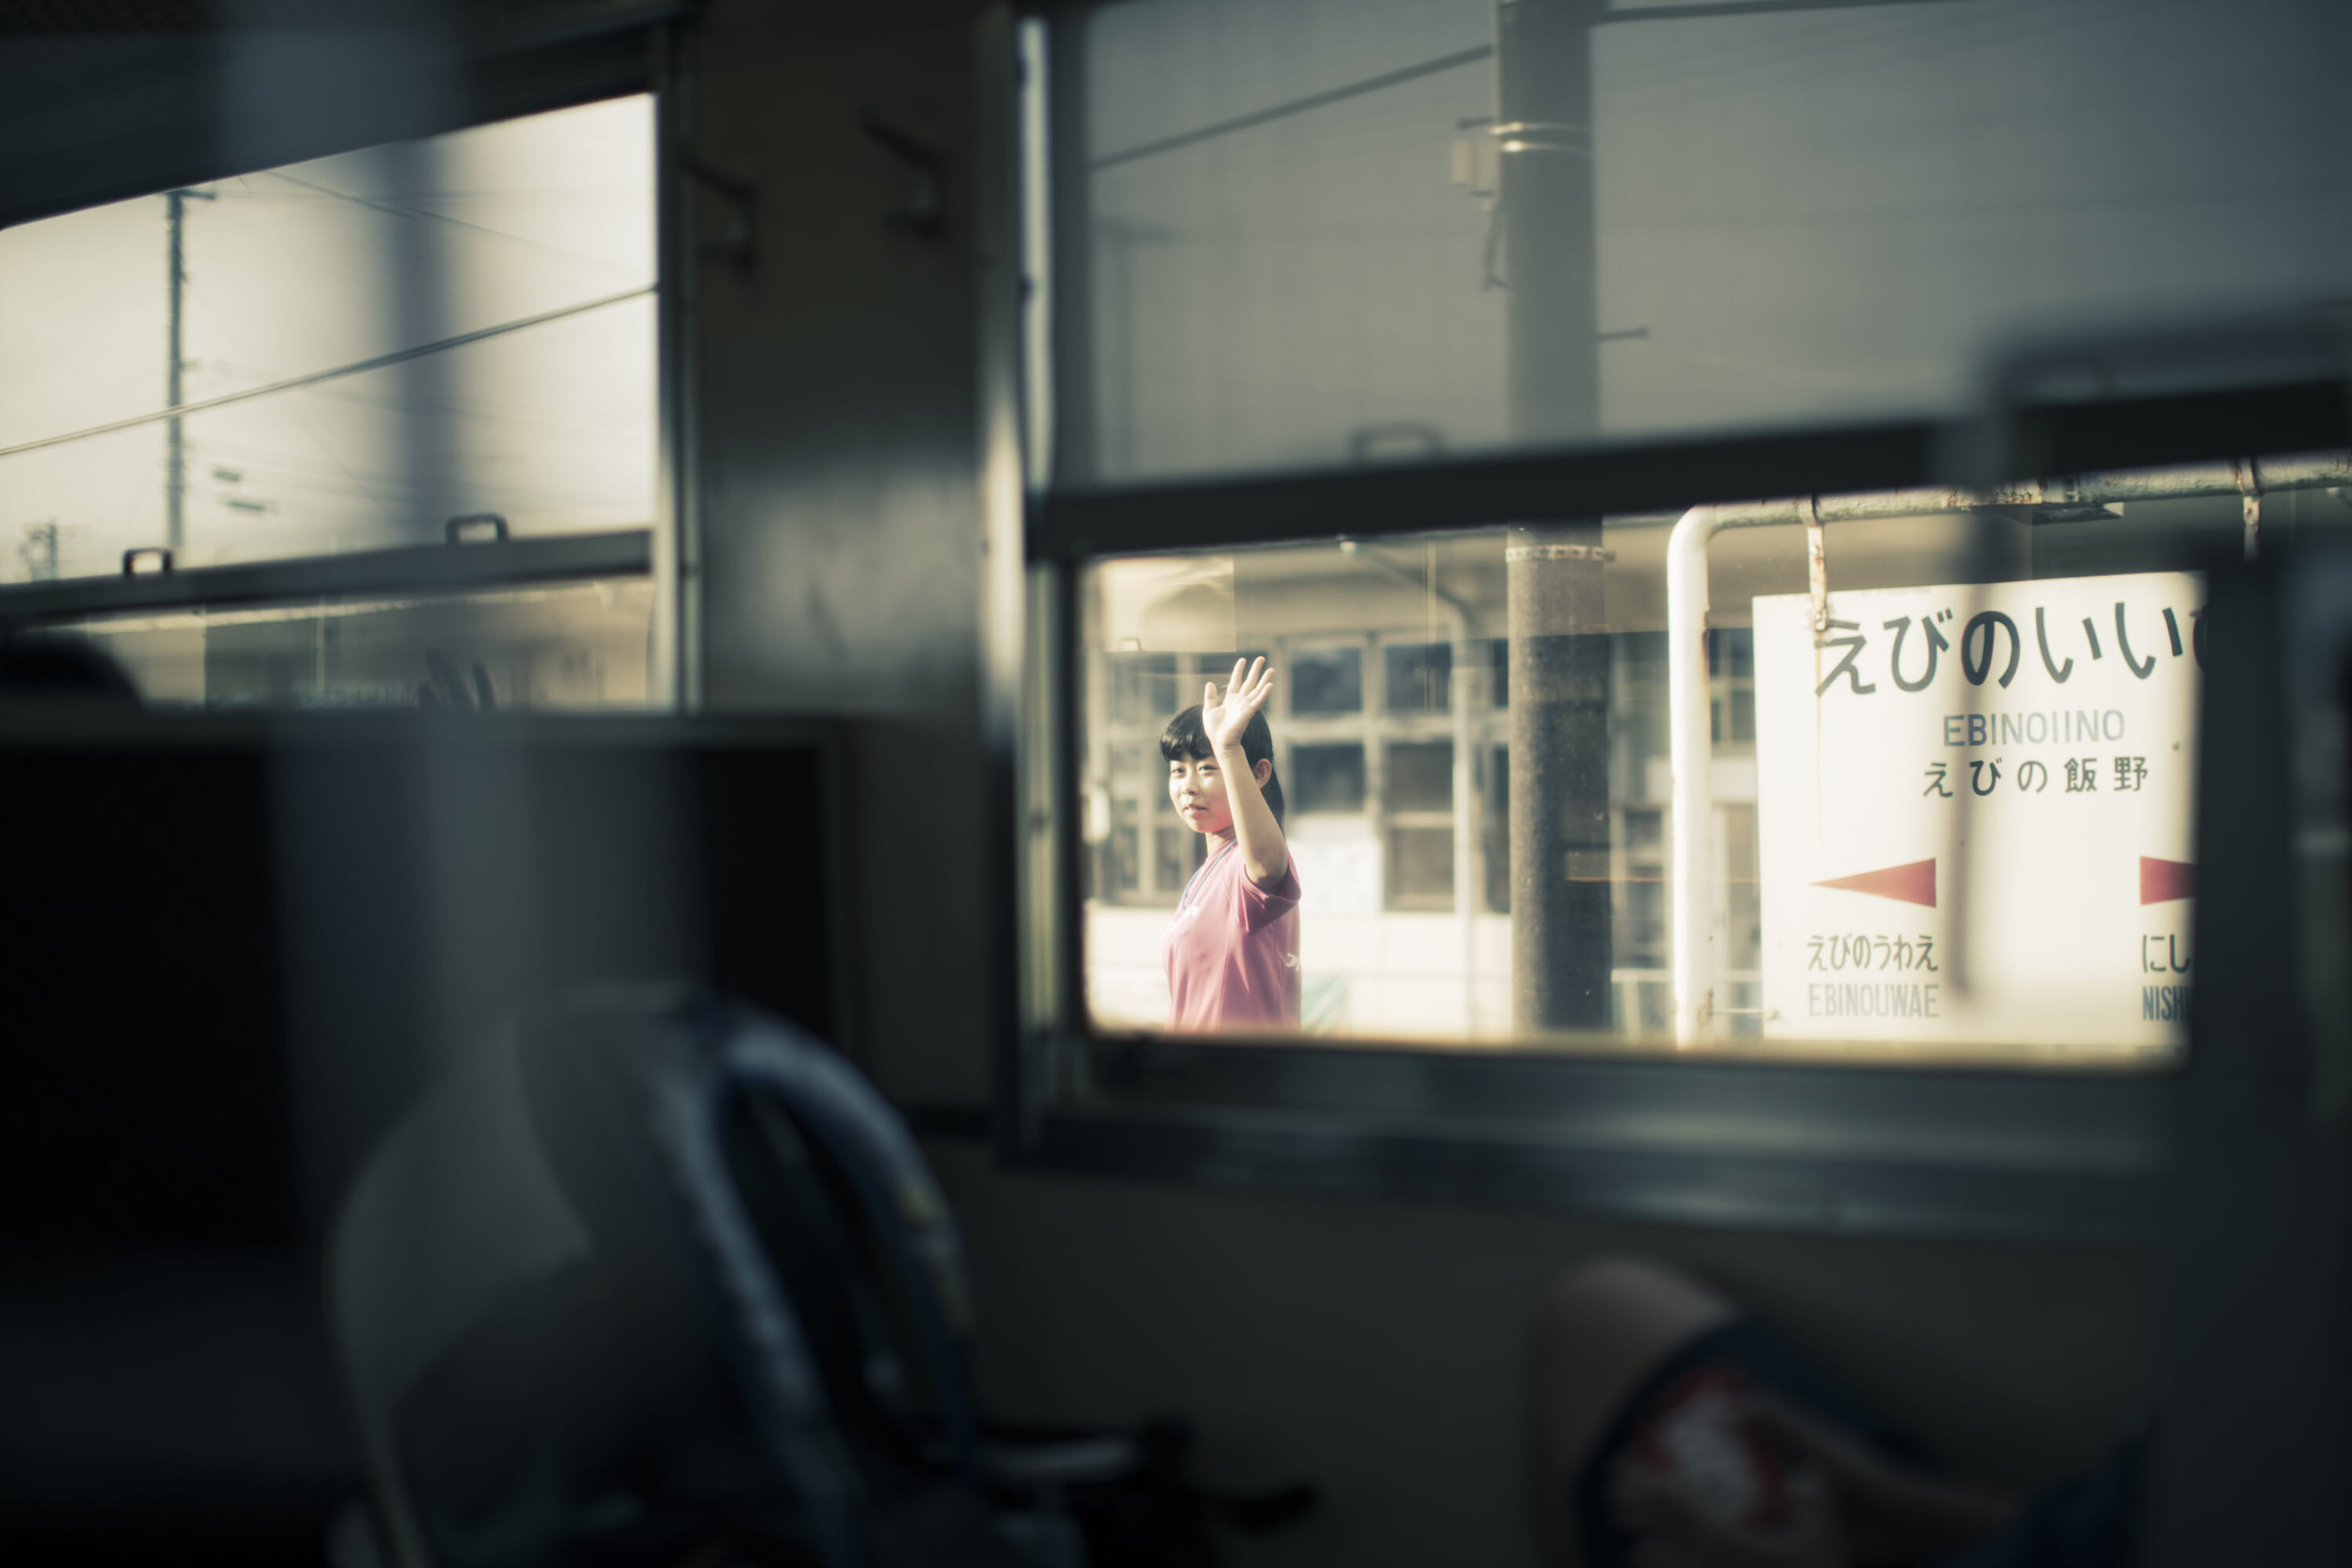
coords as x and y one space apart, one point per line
1691 752
1465 838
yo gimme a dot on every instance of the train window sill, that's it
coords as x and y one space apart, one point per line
2025 1155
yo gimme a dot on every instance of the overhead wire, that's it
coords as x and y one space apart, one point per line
359 367
294 412
396 209
528 413
1296 106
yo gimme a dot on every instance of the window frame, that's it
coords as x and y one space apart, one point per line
499 69
2041 1153
366 574
2047 1152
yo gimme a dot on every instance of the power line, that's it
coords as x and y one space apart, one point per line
1296 106
399 356
395 209
1701 10
528 411
232 336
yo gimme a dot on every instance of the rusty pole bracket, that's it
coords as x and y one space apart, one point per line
2250 486
1817 562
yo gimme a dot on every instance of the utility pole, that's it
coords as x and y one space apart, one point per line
175 479
1562 949
1543 134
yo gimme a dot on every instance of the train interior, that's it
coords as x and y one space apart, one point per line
594 600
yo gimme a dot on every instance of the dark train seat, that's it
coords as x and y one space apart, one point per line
655 1272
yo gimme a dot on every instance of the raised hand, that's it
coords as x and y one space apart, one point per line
1245 693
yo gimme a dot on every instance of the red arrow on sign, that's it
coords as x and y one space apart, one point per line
1913 884
2161 881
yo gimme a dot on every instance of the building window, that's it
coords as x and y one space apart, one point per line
1142 692
1731 686
1420 776
1419 676
1328 778
1420 868
1326 680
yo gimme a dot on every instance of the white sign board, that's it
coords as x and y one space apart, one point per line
1974 805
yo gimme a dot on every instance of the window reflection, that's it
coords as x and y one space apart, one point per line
1806 213
1144 690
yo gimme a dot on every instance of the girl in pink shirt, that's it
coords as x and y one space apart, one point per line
1232 948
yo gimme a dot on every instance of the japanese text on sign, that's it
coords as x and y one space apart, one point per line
1974 809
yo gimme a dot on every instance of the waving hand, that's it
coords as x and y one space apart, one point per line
1245 692
1265 853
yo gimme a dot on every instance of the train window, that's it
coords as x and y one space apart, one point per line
1822 859
1299 233
1945 804
1919 803
439 343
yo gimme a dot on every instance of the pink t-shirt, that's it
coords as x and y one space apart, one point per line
1233 949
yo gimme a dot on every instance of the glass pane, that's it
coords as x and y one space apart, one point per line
1743 716
1495 838
1420 776
1179 852
1326 778
1732 652
1143 686
1645 833
1946 827
1326 680
1420 676
369 344
1421 868
1124 863
1308 233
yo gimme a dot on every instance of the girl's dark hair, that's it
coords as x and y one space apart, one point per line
1185 738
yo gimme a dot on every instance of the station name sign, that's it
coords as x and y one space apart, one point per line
1974 808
